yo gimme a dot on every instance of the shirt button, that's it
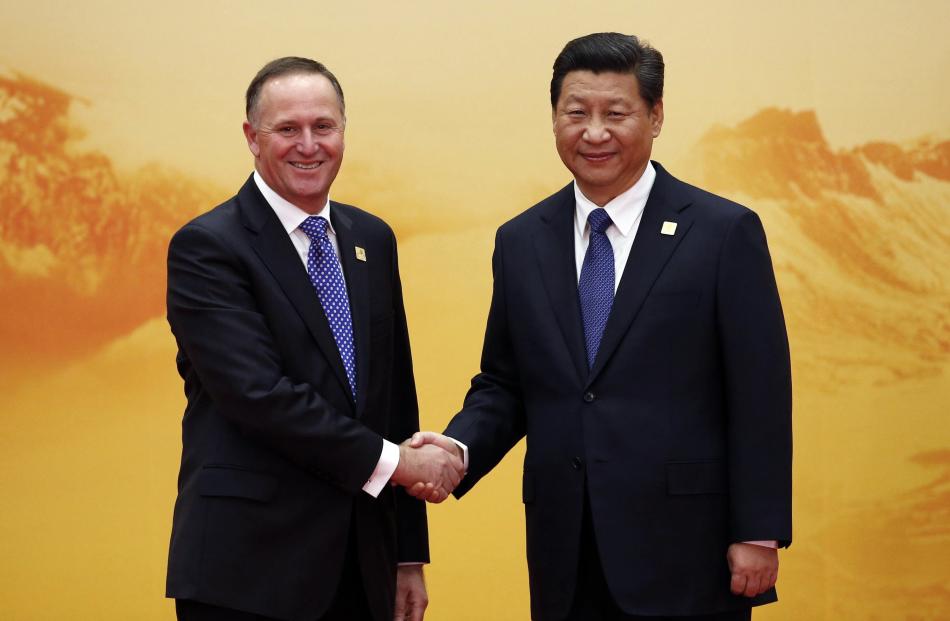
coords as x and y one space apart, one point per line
589 397
577 463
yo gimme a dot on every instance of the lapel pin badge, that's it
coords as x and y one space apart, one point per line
669 228
360 254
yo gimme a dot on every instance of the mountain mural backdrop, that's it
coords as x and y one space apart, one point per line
859 237
82 245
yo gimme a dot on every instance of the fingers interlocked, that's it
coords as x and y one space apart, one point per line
430 466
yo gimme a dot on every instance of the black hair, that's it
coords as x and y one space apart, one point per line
611 51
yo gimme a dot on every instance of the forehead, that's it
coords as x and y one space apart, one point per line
584 85
298 95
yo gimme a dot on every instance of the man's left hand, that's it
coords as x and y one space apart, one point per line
411 597
754 568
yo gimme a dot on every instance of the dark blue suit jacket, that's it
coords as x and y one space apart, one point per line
275 450
681 431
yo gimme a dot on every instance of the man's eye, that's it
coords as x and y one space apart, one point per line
287 131
576 113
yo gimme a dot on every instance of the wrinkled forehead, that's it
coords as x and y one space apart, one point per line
299 95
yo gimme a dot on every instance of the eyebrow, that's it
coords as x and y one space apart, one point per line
580 99
319 119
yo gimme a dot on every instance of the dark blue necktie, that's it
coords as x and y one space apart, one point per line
325 273
596 285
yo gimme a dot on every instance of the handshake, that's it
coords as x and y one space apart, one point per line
430 466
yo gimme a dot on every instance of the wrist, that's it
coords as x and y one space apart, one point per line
400 471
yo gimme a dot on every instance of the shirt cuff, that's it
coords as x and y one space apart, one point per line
385 467
765 544
464 453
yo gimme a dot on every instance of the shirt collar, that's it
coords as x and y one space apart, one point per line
624 210
290 216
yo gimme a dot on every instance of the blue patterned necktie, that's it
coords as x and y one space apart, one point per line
325 273
596 285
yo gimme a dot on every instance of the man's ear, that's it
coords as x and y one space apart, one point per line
656 117
251 135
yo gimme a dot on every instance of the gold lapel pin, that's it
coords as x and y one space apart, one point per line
361 254
669 228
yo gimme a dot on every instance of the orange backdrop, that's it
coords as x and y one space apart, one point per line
120 121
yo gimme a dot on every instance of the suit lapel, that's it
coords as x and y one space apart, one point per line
357 284
554 246
271 243
649 254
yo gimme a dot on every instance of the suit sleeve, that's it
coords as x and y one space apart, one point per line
492 419
758 389
226 339
411 522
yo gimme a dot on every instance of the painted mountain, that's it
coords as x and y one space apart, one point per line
861 242
861 238
82 247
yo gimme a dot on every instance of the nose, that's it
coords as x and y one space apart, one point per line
596 130
309 143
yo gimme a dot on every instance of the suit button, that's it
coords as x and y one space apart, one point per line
577 463
589 397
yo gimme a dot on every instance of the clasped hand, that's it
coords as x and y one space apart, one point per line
754 568
430 466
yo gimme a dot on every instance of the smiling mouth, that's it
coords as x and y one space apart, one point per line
303 166
596 157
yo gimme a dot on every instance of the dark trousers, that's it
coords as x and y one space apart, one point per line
592 598
349 603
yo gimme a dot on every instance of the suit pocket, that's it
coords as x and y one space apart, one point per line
234 482
527 488
696 477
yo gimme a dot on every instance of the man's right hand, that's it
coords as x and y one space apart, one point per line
428 471
420 439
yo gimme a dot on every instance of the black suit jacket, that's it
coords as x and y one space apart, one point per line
681 431
275 450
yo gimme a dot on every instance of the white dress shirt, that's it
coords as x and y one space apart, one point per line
291 217
625 212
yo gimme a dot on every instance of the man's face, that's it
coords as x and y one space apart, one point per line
296 137
604 131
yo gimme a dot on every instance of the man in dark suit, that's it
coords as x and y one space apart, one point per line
288 313
636 337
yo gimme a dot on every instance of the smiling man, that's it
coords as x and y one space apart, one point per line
636 337
288 313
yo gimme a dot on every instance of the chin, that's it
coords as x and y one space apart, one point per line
599 181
